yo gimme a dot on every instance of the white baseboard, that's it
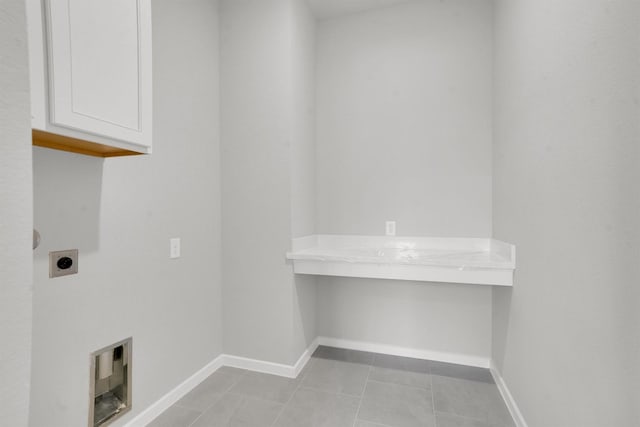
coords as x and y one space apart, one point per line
507 397
289 371
161 405
259 366
460 359
157 408
304 358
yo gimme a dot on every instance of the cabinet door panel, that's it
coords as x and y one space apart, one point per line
99 58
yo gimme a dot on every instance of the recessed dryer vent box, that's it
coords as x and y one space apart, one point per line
110 388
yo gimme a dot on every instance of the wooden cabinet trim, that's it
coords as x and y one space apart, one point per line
74 145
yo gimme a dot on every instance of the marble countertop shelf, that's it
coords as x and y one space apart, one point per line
429 259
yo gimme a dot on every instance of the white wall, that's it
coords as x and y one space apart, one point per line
120 214
404 120
567 168
439 321
303 167
15 216
324 9
262 133
404 133
303 148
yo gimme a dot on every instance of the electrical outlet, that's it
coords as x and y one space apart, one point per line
63 263
390 228
174 248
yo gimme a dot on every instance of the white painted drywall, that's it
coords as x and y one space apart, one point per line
15 217
120 214
303 148
404 120
262 133
404 133
567 170
448 320
303 167
324 9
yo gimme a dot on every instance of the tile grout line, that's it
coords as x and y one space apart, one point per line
337 393
465 417
484 420
366 382
302 377
402 385
220 398
250 397
433 400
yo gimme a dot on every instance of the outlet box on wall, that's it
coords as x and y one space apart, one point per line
63 263
174 248
390 228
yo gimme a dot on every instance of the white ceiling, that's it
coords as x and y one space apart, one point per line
323 9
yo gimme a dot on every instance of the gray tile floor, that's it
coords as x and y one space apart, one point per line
345 388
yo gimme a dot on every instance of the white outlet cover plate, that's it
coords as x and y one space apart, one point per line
390 228
174 248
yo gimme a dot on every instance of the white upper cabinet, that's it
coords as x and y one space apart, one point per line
91 71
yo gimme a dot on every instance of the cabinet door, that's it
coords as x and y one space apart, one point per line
100 67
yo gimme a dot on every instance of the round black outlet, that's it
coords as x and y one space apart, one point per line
64 263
